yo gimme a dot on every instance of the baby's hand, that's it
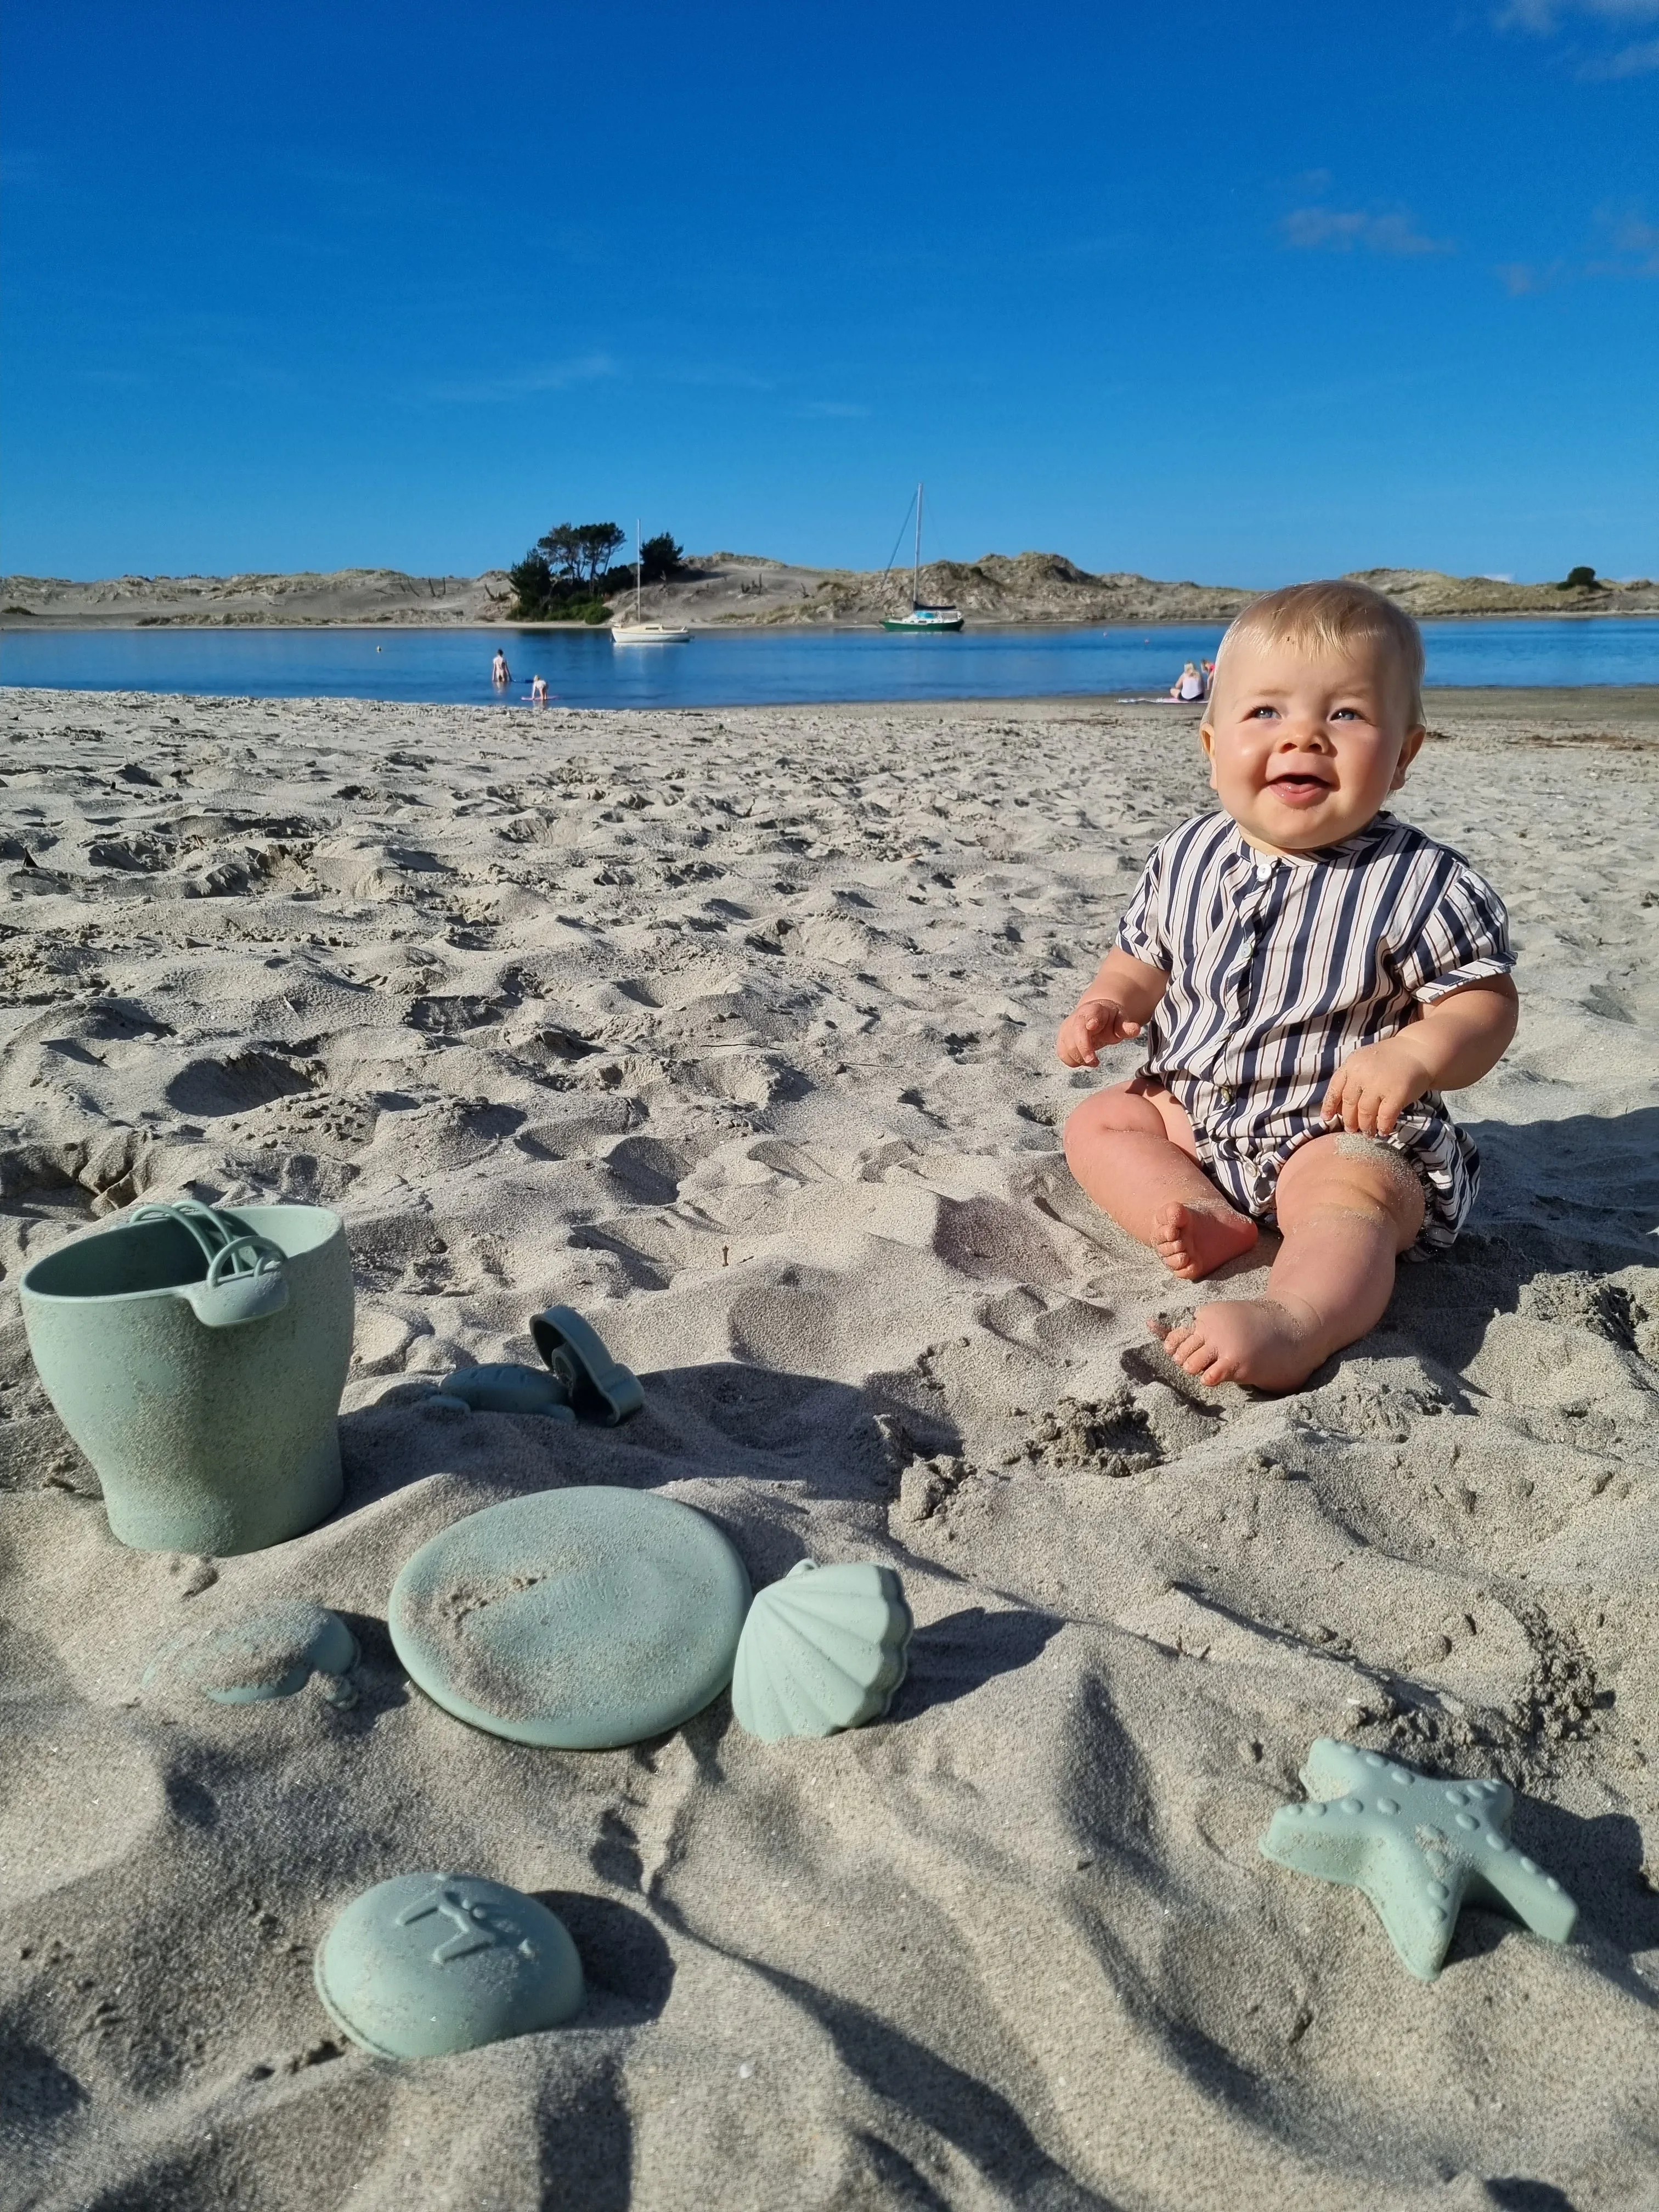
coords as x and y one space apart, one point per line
1374 1086
1089 1028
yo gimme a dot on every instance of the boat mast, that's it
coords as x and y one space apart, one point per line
638 567
915 572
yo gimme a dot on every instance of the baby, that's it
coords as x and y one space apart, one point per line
1309 975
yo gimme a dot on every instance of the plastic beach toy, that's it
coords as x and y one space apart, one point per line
601 1388
270 1652
432 1963
1417 1845
196 1356
581 1618
505 1387
580 1381
595 1617
825 1648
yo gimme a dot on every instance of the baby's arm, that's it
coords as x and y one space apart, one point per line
1115 1006
1453 1042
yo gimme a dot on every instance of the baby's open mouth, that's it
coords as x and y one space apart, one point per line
1298 790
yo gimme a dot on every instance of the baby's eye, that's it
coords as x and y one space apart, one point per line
1346 715
1257 713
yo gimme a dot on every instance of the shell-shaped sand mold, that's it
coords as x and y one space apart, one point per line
271 1651
428 1964
825 1648
582 1617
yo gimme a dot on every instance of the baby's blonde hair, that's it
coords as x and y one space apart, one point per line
1329 617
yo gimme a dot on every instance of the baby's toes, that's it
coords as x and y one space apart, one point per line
1193 1353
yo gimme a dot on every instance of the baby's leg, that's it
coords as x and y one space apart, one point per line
1131 1148
1347 1207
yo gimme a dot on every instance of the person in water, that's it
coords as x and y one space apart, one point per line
499 674
1189 684
1308 974
539 691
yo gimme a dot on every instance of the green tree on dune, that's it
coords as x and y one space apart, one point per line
660 557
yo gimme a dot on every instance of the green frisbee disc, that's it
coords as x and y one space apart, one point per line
582 1618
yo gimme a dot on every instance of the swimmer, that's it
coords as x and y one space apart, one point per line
500 674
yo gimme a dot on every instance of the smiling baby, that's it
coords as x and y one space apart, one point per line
1308 974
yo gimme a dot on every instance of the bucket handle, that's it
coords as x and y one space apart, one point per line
245 1277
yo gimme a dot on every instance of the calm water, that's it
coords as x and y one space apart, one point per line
756 668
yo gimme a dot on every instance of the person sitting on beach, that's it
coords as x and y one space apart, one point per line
1189 684
539 691
499 674
1308 974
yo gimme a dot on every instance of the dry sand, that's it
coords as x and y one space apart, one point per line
734 1030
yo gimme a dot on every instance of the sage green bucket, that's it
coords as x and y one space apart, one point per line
198 1357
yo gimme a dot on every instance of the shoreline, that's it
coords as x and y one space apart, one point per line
73 624
1637 703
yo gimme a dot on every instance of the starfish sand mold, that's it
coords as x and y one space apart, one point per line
1417 1845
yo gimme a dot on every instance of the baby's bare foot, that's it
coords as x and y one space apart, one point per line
1192 1242
1253 1340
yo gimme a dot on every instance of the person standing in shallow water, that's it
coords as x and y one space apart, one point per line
1309 975
500 674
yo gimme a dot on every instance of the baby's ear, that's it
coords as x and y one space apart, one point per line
1409 753
1206 738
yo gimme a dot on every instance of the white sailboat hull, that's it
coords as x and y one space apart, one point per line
648 634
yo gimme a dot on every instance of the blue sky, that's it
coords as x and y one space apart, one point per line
1237 294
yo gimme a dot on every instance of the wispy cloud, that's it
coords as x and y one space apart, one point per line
1628 247
1634 243
1629 61
1518 278
1544 18
523 382
1340 230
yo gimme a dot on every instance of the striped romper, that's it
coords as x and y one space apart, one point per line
1279 969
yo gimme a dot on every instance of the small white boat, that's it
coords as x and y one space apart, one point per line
925 616
639 632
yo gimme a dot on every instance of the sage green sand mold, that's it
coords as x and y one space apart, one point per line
507 1389
601 1388
428 1964
1417 1845
580 1382
198 1357
270 1652
583 1618
825 1648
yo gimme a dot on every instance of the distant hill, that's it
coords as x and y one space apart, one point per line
348 595
746 588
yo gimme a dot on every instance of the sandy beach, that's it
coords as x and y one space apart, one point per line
733 1029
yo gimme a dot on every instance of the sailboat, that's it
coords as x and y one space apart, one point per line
639 631
923 616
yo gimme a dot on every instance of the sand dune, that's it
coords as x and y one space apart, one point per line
747 589
734 1030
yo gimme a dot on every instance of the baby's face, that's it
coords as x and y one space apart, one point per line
1304 751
